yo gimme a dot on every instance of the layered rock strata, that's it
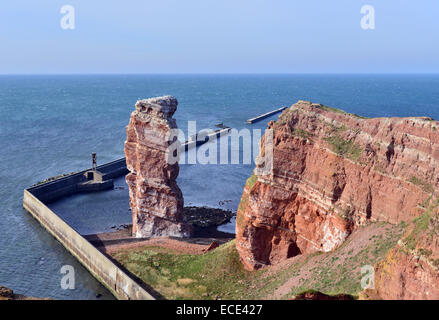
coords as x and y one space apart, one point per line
156 200
410 270
332 172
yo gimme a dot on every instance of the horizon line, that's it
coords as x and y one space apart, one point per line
217 73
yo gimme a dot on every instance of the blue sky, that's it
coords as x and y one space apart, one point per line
221 36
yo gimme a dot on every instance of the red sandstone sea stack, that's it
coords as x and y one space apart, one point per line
156 200
333 172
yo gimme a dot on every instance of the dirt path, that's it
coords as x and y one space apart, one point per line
121 239
174 246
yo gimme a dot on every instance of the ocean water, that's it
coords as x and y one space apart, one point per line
50 125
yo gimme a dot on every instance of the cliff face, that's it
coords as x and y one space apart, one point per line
156 200
332 172
411 269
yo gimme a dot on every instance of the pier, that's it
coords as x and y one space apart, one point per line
120 283
265 115
203 137
83 181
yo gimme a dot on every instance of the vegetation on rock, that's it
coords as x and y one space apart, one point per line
344 148
220 275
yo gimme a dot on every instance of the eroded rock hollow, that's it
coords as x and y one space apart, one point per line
333 172
156 200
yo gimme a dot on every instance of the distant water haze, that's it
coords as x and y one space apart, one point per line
50 125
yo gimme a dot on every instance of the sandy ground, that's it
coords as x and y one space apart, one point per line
121 239
175 246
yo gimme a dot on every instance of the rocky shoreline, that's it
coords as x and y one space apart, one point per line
8 294
200 217
204 220
205 217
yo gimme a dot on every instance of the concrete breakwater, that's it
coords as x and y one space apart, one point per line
202 138
83 181
265 115
122 285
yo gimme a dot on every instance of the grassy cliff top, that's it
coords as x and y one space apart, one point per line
219 274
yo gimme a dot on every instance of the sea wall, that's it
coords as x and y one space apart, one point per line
113 169
102 268
64 186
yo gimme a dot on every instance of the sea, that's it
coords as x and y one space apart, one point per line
50 125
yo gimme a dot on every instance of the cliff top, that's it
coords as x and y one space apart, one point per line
303 104
164 106
318 122
404 147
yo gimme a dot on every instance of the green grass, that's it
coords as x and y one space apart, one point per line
251 181
243 203
420 232
426 202
333 277
240 213
427 187
301 133
220 274
326 108
285 117
244 200
420 224
343 147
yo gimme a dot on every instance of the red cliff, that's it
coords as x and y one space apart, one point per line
156 200
410 271
332 172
